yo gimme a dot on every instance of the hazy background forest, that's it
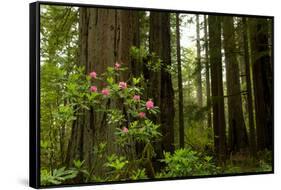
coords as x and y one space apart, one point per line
134 95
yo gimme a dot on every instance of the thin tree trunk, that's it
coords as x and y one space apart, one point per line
62 142
241 60
181 119
249 89
217 88
198 69
208 91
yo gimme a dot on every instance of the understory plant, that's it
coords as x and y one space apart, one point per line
187 162
60 175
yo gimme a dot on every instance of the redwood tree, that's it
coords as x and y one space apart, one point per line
207 65
250 107
263 82
106 36
237 133
199 67
161 82
217 88
181 118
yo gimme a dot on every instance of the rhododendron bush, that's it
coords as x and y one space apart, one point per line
92 91
140 127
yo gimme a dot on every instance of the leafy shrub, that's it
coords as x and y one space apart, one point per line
200 138
138 174
186 162
78 167
140 131
117 166
120 169
57 177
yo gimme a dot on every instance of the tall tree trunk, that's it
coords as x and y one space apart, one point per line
153 77
217 88
97 52
137 66
198 68
106 36
237 133
161 82
263 83
241 62
181 119
208 91
249 88
127 35
62 143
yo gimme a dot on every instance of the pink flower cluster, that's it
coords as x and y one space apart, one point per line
136 98
117 66
93 74
122 85
142 115
149 104
93 89
105 92
125 129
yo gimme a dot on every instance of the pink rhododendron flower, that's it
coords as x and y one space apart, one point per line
136 97
105 92
93 74
94 89
149 104
117 65
125 129
122 85
142 115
